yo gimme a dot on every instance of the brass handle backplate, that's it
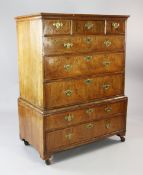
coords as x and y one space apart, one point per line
69 117
68 92
115 25
88 25
107 43
58 25
89 125
107 125
89 111
108 109
106 86
106 63
88 58
88 81
67 67
69 136
68 45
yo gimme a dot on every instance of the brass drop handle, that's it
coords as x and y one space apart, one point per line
88 81
69 136
106 63
89 111
115 25
107 125
106 86
89 125
68 45
88 25
69 117
68 92
108 109
58 24
88 58
107 43
67 67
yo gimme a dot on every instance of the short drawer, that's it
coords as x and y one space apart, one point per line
52 27
88 27
89 113
80 65
115 27
83 132
68 92
81 44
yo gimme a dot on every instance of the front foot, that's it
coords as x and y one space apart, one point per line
121 137
25 142
49 161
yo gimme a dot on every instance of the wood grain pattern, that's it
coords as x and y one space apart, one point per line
110 27
71 76
49 27
82 44
80 65
30 61
31 124
78 133
55 92
88 27
94 112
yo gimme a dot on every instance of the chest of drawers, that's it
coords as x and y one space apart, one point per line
72 76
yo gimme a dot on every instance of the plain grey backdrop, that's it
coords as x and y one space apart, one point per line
14 157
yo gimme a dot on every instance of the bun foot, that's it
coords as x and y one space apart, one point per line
49 161
122 139
25 142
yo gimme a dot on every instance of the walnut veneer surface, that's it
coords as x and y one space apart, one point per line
72 79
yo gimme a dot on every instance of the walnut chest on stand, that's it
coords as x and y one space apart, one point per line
72 79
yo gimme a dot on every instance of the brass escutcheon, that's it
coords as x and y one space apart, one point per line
107 124
106 63
89 111
115 25
58 25
68 45
69 136
88 25
68 92
89 125
108 109
88 40
69 117
107 43
106 86
88 81
67 67
88 58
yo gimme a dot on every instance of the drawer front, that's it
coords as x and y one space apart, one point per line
81 44
87 131
72 66
92 112
61 93
115 27
89 27
52 27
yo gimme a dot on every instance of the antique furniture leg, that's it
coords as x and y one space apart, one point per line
49 160
121 137
25 142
